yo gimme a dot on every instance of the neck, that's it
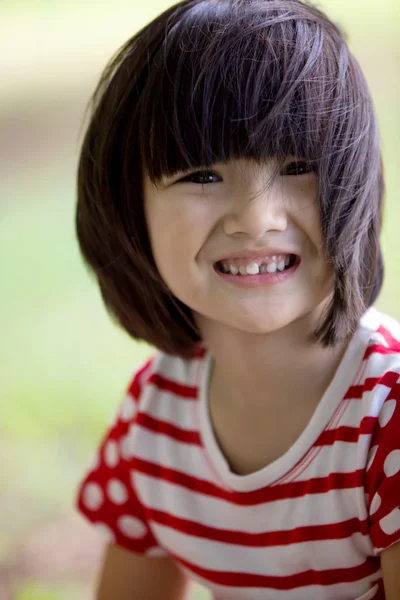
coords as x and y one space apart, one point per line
268 370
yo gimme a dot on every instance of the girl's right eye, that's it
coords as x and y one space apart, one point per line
202 177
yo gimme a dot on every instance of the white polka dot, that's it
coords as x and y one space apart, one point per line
392 463
386 413
111 453
105 531
117 491
371 456
132 527
128 409
375 504
156 552
92 496
391 523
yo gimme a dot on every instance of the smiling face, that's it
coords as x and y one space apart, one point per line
198 218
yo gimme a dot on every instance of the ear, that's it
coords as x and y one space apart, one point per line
390 565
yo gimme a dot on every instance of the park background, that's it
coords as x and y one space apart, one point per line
64 364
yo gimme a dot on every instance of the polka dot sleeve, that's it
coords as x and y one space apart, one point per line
106 496
383 475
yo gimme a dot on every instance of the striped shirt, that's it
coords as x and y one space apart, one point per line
311 524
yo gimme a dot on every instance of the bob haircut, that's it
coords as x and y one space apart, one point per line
212 80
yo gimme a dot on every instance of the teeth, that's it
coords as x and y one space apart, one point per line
254 268
281 265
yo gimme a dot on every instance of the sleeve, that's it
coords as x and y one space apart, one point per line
106 495
383 475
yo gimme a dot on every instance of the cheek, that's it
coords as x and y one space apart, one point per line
176 236
308 219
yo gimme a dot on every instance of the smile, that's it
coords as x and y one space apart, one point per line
254 274
254 267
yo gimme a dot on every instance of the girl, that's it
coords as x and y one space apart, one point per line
229 202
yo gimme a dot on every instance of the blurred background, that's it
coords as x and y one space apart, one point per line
64 364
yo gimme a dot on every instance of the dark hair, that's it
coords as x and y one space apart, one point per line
213 80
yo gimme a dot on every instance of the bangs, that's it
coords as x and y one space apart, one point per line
248 80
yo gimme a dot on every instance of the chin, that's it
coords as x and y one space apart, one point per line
261 327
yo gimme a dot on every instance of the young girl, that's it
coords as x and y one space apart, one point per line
229 202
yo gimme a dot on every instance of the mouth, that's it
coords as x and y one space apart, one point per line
243 268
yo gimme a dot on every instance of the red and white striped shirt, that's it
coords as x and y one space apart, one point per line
311 524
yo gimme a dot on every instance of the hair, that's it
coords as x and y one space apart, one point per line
213 80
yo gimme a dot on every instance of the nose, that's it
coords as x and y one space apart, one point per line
256 216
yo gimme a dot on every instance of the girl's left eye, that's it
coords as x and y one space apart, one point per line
202 177
301 168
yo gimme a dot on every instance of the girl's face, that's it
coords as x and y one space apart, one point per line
198 218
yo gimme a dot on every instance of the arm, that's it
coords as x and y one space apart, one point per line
126 575
390 564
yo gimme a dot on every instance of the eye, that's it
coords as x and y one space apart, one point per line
298 168
200 177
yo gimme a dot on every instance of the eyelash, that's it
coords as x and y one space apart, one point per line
208 171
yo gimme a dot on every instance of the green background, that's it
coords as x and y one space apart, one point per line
64 364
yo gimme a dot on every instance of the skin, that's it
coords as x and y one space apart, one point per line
254 334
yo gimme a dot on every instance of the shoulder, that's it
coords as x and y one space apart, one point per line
159 376
377 383
382 355
383 329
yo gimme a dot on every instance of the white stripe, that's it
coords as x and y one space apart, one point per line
339 591
173 409
177 369
389 323
167 452
377 363
332 507
279 561
343 457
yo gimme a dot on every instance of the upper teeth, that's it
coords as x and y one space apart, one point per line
254 268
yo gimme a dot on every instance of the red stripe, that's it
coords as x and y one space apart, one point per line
356 391
135 387
287 582
167 385
389 379
296 489
346 433
379 349
386 334
172 431
332 531
395 392
199 351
